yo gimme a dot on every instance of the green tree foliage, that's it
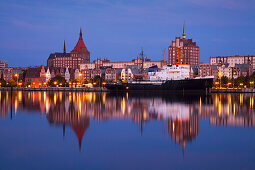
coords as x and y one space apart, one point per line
2 83
97 81
224 80
60 81
11 83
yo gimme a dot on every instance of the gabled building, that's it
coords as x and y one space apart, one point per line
110 74
35 77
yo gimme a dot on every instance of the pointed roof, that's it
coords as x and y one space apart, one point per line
64 46
80 130
183 31
80 46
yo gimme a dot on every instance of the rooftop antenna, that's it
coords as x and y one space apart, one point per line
142 57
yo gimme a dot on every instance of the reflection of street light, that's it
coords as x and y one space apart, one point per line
219 74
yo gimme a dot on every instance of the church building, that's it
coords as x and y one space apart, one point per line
77 56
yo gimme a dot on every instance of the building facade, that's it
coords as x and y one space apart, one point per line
77 56
3 64
183 51
141 63
233 60
204 70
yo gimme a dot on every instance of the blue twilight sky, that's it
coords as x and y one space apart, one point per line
117 29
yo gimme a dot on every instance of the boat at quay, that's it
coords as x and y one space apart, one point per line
171 78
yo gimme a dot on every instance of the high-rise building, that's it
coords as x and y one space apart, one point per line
77 56
183 51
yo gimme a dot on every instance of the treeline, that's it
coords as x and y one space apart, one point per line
242 81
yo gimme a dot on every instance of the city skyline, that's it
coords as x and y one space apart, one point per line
29 35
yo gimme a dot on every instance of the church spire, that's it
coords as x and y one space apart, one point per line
64 46
183 31
80 34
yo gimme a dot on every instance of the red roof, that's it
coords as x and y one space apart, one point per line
80 46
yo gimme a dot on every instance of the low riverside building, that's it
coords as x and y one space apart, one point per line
96 72
35 77
204 70
141 63
110 74
233 60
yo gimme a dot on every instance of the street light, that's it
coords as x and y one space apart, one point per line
229 84
251 83
220 74
17 75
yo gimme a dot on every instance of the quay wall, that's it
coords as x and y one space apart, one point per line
53 89
238 90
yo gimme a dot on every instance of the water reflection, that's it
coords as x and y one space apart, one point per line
179 114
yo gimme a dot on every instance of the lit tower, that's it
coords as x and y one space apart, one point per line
183 31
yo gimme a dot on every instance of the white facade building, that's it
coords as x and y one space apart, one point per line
67 75
174 72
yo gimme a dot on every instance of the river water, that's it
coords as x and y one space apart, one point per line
80 130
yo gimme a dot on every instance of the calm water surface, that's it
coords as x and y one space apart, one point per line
78 130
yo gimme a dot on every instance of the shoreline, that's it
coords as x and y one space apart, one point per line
54 89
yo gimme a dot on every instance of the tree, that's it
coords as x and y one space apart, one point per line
11 83
57 81
97 81
224 80
2 83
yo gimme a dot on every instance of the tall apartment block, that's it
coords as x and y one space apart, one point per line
183 51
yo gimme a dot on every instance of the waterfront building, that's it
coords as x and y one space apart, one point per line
7 73
3 64
67 75
85 73
48 75
96 72
204 70
35 77
126 74
233 60
77 56
183 51
77 74
110 74
145 63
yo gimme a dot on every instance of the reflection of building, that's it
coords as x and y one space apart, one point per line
183 131
78 55
182 113
183 51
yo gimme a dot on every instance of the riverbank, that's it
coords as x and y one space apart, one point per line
53 89
230 90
